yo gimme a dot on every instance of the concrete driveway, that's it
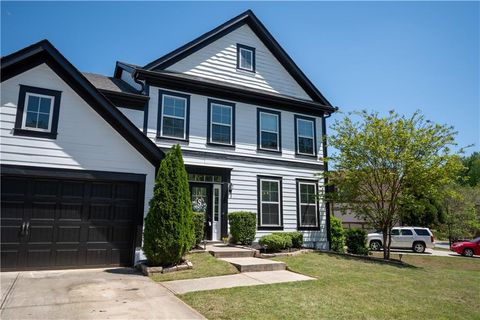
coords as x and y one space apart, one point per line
88 294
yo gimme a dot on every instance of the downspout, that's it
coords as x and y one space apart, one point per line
325 169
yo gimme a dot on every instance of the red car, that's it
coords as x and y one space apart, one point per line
467 248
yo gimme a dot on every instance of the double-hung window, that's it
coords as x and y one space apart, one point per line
269 130
305 136
221 122
270 202
307 204
245 58
37 112
173 115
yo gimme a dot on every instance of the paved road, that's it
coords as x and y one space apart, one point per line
431 252
86 294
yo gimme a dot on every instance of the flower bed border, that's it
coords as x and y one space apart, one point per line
148 271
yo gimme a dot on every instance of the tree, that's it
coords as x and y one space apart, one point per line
381 161
424 210
169 228
462 208
471 175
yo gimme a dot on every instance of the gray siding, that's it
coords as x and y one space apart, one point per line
218 61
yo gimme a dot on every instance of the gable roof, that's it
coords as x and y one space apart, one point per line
249 18
44 52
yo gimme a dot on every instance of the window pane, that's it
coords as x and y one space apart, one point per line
31 120
270 214
220 133
268 122
406 232
305 145
33 103
269 191
221 114
307 193
422 232
173 106
269 140
173 127
45 105
395 232
246 59
305 128
42 121
308 215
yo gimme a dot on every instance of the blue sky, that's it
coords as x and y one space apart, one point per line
361 55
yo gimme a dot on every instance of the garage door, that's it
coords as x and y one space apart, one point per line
68 219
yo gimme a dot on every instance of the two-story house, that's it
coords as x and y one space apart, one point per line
79 151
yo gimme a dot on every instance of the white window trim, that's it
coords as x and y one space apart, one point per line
50 112
302 136
300 203
174 117
240 59
276 132
271 202
221 124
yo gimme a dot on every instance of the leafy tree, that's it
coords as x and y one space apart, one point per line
423 211
462 208
471 175
169 228
380 159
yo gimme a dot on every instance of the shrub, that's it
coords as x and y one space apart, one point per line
337 241
274 241
293 239
243 226
356 241
297 239
169 229
199 222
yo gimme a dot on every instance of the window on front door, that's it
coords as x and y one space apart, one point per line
269 130
270 202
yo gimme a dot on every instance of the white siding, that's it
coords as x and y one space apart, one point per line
218 61
246 130
85 141
136 116
244 192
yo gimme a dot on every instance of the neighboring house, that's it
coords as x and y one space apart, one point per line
349 219
79 151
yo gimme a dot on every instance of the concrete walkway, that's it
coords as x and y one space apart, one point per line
235 280
88 294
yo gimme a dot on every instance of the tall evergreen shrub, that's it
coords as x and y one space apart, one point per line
169 228
337 241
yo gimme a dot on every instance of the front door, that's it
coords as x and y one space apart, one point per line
201 194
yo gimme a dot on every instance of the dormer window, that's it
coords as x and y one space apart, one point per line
245 58
37 112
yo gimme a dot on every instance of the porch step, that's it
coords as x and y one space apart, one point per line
255 264
223 251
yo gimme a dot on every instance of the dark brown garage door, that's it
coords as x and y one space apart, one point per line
54 219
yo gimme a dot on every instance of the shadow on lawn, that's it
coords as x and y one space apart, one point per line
368 259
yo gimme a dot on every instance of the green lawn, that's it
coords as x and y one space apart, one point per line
438 288
204 265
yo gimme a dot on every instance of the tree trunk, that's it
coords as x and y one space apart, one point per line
386 244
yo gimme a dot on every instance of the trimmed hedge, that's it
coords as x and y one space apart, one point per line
169 230
282 240
275 242
199 221
356 241
243 227
295 238
337 242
